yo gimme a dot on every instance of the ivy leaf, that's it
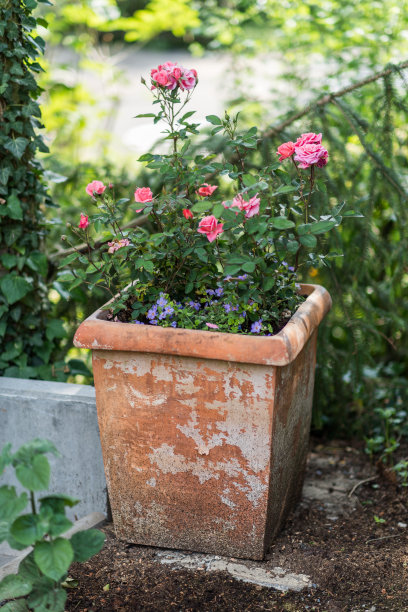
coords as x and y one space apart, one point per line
4 175
13 208
87 543
16 146
54 558
14 287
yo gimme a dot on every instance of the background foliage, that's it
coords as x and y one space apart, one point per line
322 47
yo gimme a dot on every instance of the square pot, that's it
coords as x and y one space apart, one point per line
204 434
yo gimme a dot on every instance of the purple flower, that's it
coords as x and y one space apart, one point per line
243 313
161 301
285 263
152 312
227 307
242 277
219 291
138 322
153 322
210 291
291 268
228 278
162 315
173 324
235 308
169 310
256 327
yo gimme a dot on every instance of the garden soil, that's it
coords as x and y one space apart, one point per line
349 535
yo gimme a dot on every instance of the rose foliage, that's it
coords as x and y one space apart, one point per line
223 245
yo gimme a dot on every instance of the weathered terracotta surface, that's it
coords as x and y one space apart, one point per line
204 434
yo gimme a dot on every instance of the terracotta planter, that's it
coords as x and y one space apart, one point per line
204 434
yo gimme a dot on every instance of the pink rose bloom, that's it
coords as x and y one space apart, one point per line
83 223
206 189
308 138
252 207
95 187
285 150
187 80
176 72
212 325
117 244
143 195
311 154
210 226
161 78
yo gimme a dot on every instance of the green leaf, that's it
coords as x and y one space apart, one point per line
28 569
249 180
14 586
87 543
27 529
144 115
57 502
16 146
308 240
268 283
249 266
320 227
352 213
59 524
13 208
54 558
46 596
69 259
35 477
14 287
214 119
285 189
38 262
55 329
292 246
4 175
201 206
5 456
10 503
282 223
15 606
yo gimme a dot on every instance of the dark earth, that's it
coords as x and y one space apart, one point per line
353 545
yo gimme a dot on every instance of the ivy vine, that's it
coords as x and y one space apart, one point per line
29 335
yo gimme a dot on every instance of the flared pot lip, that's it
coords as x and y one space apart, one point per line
97 333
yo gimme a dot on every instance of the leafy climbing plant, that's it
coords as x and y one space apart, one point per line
29 335
38 585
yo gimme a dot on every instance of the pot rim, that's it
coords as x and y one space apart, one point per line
97 333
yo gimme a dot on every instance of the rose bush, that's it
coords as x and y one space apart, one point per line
223 254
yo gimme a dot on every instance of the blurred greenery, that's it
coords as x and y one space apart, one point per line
321 46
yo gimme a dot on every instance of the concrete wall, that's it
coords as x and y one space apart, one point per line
66 415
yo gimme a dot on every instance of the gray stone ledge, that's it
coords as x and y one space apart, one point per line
65 414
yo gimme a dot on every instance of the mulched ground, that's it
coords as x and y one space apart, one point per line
357 563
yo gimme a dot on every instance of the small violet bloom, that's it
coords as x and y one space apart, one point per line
256 327
161 301
219 291
173 324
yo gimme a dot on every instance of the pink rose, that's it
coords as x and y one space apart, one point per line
83 222
308 138
143 195
206 189
161 78
311 154
117 244
252 207
95 187
285 150
187 80
210 226
176 72
212 325
187 213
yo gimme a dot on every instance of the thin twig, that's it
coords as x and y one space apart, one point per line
358 484
329 98
397 535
